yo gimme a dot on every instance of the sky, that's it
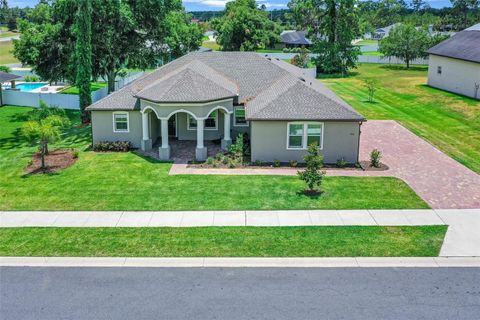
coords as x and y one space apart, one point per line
198 5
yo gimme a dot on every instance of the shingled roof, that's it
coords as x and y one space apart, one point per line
5 77
295 38
270 89
464 45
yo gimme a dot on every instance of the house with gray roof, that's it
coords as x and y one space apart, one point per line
208 98
295 39
454 64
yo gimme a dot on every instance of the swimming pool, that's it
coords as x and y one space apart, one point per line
26 86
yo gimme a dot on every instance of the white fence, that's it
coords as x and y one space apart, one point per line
66 101
361 58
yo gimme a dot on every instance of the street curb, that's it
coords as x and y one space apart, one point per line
230 262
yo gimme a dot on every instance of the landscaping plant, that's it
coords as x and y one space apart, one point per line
43 129
375 157
313 173
371 86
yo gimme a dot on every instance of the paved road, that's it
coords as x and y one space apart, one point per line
233 293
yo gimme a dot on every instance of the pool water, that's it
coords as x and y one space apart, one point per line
29 86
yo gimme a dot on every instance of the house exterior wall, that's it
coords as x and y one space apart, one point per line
102 127
269 142
457 76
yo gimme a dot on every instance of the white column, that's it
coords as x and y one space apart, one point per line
164 150
200 126
164 133
226 124
145 126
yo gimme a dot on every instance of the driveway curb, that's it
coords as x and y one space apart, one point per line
217 262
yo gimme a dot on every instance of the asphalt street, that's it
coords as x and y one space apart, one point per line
239 293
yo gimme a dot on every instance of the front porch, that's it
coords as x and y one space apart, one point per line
183 133
183 151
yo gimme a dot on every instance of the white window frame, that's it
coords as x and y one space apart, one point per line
204 126
114 122
305 134
235 124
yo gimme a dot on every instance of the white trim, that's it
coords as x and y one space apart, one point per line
151 108
128 121
188 103
204 128
305 134
235 124
178 111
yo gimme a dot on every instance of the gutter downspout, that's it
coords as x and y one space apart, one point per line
358 144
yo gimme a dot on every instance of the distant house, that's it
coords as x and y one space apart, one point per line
381 33
294 39
454 64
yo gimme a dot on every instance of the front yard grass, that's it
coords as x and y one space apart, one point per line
448 121
340 241
6 56
127 181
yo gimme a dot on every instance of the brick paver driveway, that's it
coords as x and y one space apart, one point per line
437 178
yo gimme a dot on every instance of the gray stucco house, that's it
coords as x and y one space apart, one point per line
454 64
216 95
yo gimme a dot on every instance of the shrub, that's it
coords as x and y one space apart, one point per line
313 174
285 50
117 146
371 86
341 163
276 163
219 156
293 163
30 78
75 154
301 59
5 69
258 163
237 149
210 161
375 157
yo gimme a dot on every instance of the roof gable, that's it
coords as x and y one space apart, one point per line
464 45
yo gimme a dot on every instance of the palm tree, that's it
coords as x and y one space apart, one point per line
44 128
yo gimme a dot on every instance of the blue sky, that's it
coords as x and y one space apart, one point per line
196 5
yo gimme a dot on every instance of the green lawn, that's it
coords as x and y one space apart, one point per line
270 50
448 121
6 56
126 181
213 45
6 34
372 53
224 241
94 86
367 43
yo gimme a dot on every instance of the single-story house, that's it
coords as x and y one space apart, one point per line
454 64
295 39
381 33
214 96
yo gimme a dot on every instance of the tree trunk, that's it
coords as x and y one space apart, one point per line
42 154
111 81
408 64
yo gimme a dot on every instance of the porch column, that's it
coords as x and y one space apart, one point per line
146 141
227 140
201 151
164 150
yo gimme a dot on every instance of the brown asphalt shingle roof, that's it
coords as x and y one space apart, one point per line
270 90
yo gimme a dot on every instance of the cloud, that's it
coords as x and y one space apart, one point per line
215 3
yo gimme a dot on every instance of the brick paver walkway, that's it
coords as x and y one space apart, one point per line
441 181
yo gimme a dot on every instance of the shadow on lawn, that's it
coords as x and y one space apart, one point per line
404 67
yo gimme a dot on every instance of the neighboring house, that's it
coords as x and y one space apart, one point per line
294 39
454 64
381 33
216 95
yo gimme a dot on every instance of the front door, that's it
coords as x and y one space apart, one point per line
172 126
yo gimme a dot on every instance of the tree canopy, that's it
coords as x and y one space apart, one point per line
127 33
405 42
245 27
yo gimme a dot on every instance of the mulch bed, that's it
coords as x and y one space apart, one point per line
55 160
367 167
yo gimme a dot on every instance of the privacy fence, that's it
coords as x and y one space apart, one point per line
66 101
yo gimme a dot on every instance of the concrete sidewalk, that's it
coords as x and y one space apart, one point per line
214 262
462 238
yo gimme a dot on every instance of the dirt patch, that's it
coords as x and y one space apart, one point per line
55 161
367 167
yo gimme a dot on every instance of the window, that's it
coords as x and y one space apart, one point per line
210 122
439 69
240 120
120 122
300 135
